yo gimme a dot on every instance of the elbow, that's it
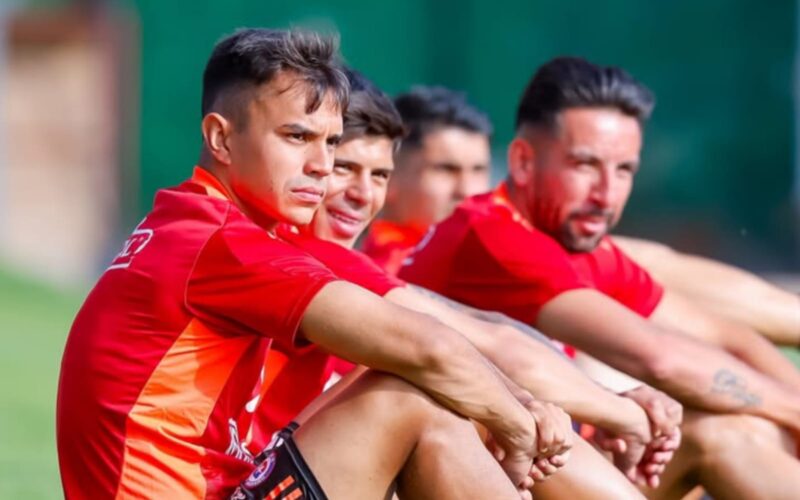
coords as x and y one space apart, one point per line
442 347
657 366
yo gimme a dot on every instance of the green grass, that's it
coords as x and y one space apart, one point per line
34 321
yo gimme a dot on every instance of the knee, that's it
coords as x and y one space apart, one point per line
399 398
719 434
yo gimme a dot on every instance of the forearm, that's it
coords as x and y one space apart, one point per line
721 383
372 332
692 372
734 293
741 296
555 379
680 314
763 356
532 364
492 317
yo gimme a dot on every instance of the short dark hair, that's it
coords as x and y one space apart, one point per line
370 111
253 56
569 82
425 109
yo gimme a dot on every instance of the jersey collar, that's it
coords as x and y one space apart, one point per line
500 197
212 185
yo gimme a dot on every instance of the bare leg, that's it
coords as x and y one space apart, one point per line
380 428
732 456
587 475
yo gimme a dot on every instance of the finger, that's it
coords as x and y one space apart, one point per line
536 474
527 483
653 481
653 469
661 457
560 460
675 413
545 466
545 431
658 417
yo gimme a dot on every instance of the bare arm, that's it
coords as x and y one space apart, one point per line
729 291
482 315
738 339
533 364
366 329
693 372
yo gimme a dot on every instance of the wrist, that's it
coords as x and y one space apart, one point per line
629 419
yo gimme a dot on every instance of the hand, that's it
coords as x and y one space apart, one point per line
554 439
655 460
665 413
548 452
626 436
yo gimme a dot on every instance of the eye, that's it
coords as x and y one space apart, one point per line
296 137
383 175
342 168
333 141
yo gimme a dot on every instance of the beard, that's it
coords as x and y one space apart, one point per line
576 242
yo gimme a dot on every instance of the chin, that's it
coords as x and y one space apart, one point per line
299 216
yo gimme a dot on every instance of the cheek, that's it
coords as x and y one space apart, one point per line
478 184
378 200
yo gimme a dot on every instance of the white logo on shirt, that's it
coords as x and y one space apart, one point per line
133 245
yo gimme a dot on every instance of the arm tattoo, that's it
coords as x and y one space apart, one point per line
728 383
489 317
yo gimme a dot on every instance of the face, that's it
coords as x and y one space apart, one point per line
451 164
356 189
276 164
583 175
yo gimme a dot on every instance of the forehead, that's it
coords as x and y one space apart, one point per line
606 130
285 99
456 145
368 151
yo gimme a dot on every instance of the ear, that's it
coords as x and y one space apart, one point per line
521 161
216 133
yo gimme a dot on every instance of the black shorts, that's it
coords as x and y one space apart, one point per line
280 473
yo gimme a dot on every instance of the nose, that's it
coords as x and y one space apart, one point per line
470 183
603 189
319 162
360 190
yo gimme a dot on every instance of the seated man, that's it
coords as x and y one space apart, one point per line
535 250
444 159
167 349
728 291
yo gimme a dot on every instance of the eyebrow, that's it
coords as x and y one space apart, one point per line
583 156
298 128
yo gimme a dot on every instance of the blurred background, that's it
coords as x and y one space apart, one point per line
100 106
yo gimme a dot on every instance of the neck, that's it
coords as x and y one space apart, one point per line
266 222
518 201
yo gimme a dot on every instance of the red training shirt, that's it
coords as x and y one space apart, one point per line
169 346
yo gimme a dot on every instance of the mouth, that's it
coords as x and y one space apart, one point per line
345 223
591 225
310 195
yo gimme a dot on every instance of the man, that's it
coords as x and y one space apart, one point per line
165 352
517 250
356 192
728 291
444 159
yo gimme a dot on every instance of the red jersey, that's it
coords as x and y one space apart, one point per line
618 276
165 353
487 256
388 244
311 369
